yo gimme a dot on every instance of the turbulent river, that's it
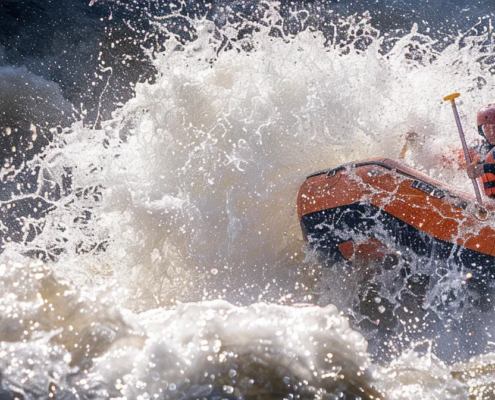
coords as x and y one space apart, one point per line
154 251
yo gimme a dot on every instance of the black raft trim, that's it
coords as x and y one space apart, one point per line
326 229
333 171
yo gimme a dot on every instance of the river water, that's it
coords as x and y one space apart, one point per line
152 248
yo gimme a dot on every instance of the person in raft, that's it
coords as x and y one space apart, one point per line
483 164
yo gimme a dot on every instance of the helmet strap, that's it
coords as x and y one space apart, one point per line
481 131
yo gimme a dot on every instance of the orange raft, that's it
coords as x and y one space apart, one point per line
366 204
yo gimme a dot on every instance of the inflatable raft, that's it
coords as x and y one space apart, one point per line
379 205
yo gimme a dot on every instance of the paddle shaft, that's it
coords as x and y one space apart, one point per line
466 150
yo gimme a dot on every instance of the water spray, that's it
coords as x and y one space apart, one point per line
452 98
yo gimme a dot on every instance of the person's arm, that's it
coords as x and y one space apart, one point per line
478 168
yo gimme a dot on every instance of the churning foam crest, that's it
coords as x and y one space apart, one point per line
189 191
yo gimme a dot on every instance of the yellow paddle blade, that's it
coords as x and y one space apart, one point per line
451 97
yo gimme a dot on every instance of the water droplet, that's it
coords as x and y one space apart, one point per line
228 389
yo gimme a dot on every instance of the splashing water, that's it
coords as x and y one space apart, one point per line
187 194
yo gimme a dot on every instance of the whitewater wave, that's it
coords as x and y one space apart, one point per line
199 172
187 194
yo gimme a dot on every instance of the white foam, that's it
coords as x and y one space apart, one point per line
196 348
201 169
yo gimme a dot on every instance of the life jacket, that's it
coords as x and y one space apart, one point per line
488 179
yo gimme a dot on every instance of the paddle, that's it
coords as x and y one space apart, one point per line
452 98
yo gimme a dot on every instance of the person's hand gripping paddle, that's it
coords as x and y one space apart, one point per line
451 98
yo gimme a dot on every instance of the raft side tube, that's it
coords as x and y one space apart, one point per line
433 208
